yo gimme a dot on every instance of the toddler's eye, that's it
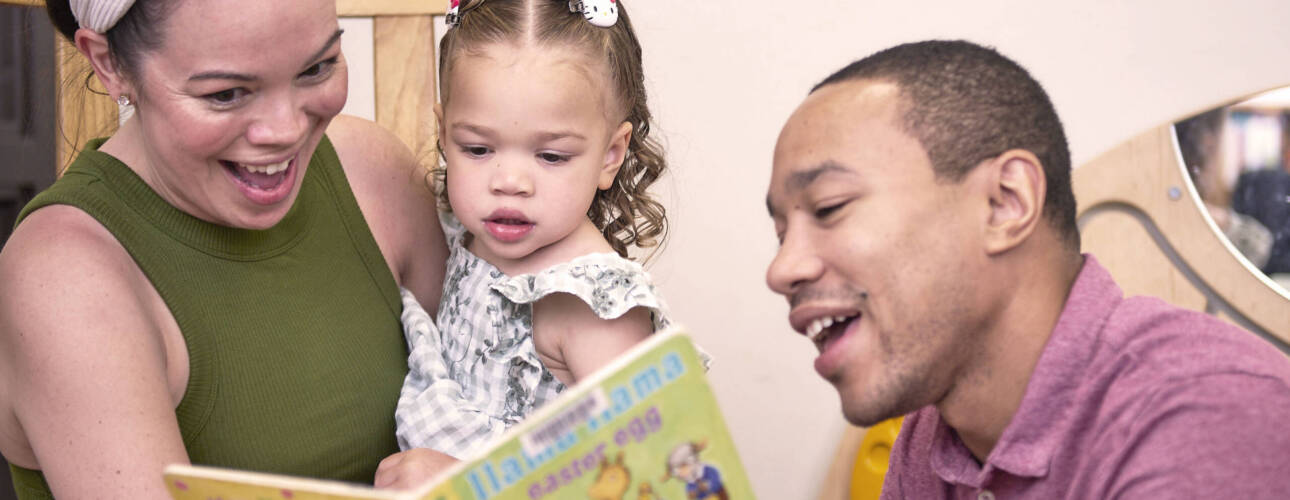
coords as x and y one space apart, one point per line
553 157
475 151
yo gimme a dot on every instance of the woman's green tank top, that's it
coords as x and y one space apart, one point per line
296 353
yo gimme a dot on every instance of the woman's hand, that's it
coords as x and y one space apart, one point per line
408 469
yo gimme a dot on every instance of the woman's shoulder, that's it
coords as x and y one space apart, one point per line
395 195
62 249
366 141
59 232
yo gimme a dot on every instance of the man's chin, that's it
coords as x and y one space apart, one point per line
866 411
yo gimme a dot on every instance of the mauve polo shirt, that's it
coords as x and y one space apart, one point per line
1131 398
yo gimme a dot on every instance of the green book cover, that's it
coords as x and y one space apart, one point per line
645 427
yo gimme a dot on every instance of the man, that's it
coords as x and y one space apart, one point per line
928 247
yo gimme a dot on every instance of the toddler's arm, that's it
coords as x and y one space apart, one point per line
573 341
408 469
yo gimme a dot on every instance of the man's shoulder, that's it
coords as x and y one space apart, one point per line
1175 341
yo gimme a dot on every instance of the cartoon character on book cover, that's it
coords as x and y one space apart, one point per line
702 479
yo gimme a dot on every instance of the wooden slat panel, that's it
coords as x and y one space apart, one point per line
405 93
82 114
364 8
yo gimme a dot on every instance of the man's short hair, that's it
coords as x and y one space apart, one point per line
965 104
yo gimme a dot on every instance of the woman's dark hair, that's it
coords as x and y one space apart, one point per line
138 31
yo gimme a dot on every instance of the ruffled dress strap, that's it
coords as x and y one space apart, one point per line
609 284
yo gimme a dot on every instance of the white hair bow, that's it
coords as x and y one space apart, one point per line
99 15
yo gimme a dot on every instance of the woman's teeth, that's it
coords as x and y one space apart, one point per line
266 169
820 324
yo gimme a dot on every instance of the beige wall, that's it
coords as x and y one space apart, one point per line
725 74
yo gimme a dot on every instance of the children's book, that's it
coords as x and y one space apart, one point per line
645 427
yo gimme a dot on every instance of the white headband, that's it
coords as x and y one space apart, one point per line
99 15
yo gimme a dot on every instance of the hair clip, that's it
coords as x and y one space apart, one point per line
602 13
453 17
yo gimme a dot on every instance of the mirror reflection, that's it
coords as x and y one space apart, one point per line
1238 157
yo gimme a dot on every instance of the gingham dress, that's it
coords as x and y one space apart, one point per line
479 373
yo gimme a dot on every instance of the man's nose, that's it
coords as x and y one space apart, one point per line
795 264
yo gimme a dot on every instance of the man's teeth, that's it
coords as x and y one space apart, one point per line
813 330
266 169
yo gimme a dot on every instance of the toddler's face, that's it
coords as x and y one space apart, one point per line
528 139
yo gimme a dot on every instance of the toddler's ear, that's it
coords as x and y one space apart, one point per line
615 155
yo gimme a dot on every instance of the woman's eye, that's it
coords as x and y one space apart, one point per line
319 69
225 97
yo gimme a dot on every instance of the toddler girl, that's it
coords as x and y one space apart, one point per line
544 131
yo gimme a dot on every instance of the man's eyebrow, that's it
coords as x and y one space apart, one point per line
241 77
799 180
802 179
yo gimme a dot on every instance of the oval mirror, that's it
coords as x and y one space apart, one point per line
1238 158
1160 223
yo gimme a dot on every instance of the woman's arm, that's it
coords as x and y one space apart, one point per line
394 193
87 370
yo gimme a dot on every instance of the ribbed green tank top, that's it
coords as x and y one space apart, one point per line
296 352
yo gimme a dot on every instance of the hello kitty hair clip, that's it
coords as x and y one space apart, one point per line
453 17
602 13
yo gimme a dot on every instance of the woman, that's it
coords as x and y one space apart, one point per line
210 284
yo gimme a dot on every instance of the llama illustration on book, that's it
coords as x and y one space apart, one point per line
702 479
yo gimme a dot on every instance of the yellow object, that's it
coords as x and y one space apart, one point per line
872 459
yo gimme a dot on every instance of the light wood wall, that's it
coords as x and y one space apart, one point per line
404 60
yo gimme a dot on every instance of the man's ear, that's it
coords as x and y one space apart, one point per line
1016 193
94 47
615 155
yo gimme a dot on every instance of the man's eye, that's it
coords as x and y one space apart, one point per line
826 211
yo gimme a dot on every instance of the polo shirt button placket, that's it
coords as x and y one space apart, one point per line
985 495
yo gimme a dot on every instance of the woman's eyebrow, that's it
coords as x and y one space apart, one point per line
242 77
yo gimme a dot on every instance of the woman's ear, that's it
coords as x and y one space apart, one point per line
94 47
1016 193
615 155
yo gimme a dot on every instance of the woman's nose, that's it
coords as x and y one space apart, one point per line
281 123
